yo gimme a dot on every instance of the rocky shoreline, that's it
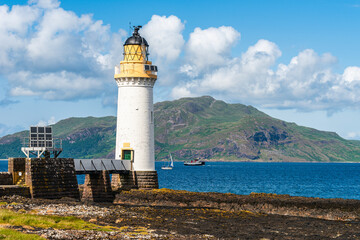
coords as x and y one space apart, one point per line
169 214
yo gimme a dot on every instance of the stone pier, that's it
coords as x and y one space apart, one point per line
51 178
54 178
97 187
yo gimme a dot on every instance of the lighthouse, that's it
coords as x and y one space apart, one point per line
135 77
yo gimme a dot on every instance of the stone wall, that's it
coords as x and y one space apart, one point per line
135 180
6 178
10 190
146 179
51 178
123 181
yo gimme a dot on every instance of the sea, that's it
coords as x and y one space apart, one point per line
324 180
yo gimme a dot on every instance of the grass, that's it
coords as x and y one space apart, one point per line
56 222
9 234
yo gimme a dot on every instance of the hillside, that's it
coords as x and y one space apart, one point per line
207 128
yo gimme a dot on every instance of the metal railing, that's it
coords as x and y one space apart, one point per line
53 143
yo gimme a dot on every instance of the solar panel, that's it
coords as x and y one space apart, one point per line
41 143
41 137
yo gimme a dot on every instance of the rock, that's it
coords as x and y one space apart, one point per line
28 227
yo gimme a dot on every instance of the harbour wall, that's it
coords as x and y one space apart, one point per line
56 178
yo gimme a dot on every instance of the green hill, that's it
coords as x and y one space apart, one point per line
207 128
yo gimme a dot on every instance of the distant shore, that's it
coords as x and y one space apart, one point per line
259 161
247 161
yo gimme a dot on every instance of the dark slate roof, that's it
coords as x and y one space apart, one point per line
136 39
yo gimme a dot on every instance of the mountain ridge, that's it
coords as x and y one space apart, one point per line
207 128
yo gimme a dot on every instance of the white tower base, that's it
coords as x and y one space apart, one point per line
135 123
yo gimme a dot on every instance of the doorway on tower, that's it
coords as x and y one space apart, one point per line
127 154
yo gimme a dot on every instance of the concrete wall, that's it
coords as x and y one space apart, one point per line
51 178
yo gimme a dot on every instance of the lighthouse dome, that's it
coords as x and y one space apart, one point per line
136 39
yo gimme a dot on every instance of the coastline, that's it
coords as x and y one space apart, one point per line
171 214
259 161
248 161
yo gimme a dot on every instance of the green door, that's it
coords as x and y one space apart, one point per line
126 155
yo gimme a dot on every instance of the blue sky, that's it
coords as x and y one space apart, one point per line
295 60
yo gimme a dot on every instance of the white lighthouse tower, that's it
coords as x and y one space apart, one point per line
135 77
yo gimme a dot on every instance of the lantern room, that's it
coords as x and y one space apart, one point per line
136 63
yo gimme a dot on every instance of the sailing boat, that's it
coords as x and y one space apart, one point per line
170 164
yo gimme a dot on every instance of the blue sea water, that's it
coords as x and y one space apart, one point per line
325 180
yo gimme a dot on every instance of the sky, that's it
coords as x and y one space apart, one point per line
296 60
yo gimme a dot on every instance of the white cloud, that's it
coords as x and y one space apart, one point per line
353 135
351 74
209 47
164 35
14 26
306 83
55 85
261 56
18 19
46 4
241 77
43 123
183 91
52 53
306 76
